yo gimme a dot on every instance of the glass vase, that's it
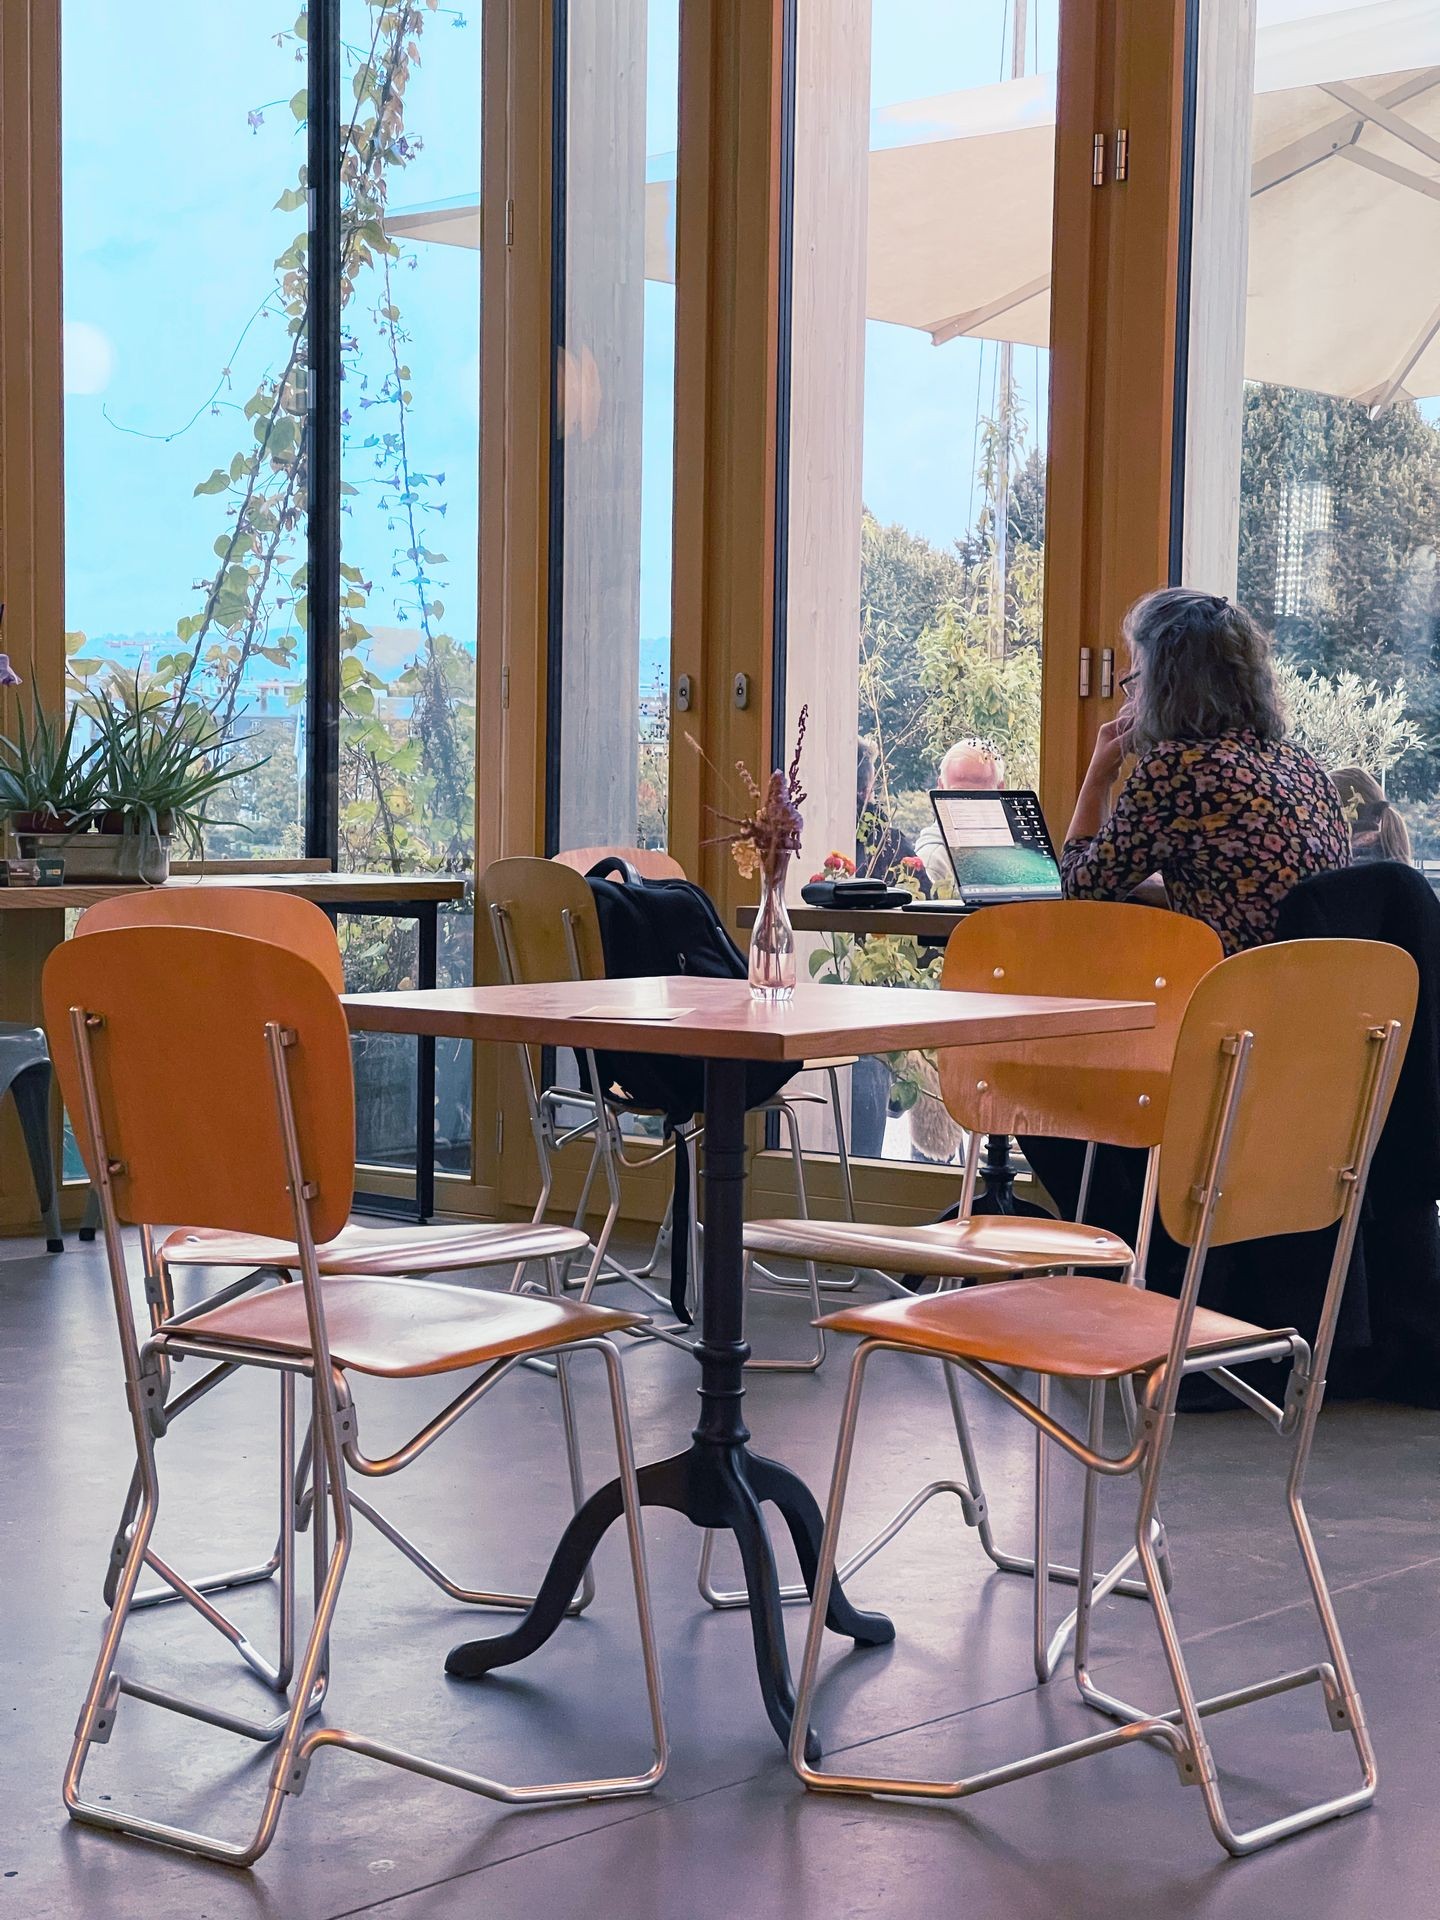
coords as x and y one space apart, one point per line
772 940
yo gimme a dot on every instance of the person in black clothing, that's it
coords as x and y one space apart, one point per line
880 848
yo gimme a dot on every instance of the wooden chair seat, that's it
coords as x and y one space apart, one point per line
985 1246
400 1328
1076 1327
381 1250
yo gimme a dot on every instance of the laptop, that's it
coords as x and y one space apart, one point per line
998 844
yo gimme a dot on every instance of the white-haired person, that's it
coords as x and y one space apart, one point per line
973 764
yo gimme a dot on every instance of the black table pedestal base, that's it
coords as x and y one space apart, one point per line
716 1482
713 1486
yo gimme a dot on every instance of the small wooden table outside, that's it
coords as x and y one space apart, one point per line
716 1481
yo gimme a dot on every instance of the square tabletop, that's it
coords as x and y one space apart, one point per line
719 1019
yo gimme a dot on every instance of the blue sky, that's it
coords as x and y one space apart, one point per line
170 235
170 238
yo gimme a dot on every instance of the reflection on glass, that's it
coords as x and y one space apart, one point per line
924 177
186 295
1317 299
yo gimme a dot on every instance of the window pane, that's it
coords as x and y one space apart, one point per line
615 458
1313 433
185 296
919 364
410 427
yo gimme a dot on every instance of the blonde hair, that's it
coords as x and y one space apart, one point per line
1377 829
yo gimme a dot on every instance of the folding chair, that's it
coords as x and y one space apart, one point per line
1286 1062
140 1017
1109 1091
300 927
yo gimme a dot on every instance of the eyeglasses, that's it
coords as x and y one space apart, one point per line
1127 680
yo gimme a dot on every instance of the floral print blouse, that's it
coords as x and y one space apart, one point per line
1230 825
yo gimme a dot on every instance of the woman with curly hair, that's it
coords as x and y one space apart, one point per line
1227 812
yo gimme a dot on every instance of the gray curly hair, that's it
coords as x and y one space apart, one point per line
1204 668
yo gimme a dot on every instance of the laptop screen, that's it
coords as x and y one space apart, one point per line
998 845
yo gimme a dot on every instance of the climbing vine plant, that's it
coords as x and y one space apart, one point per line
407 745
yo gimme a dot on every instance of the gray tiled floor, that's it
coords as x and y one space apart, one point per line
729 1831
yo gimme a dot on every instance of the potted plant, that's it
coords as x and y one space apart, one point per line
149 772
164 761
49 784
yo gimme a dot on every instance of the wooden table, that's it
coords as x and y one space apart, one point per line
716 1481
417 896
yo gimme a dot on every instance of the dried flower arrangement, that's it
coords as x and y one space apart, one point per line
764 839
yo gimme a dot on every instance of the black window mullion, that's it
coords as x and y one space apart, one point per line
322 347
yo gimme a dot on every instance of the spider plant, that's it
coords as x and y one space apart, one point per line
163 761
48 783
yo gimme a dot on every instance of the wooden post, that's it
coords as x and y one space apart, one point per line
1220 256
32 488
600 394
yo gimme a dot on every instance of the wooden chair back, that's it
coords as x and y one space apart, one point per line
1316 1011
533 898
1108 1087
185 1081
651 863
254 912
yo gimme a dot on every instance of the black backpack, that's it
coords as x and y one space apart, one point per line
668 927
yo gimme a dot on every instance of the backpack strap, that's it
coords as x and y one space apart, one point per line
614 867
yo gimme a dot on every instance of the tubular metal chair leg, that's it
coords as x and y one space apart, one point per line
1334 1676
108 1687
558 1793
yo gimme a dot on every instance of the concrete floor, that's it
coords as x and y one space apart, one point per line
729 1831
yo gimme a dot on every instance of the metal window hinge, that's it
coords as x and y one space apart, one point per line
1085 659
1097 162
1107 673
504 689
499 1135
509 223
1122 153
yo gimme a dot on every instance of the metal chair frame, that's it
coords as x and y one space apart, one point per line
296 926
1179 1731
1048 1646
335 1449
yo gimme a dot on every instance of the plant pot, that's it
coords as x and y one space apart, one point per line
40 821
117 820
116 859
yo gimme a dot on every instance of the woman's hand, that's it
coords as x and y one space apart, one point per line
1112 743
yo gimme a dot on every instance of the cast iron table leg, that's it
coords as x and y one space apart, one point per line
716 1481
997 1172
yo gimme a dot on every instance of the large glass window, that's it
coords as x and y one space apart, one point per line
194 432
919 378
1313 426
186 291
613 456
409 523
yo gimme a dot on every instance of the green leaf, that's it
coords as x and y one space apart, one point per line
300 104
217 483
291 198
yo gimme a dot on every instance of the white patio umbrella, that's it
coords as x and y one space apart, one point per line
1344 254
